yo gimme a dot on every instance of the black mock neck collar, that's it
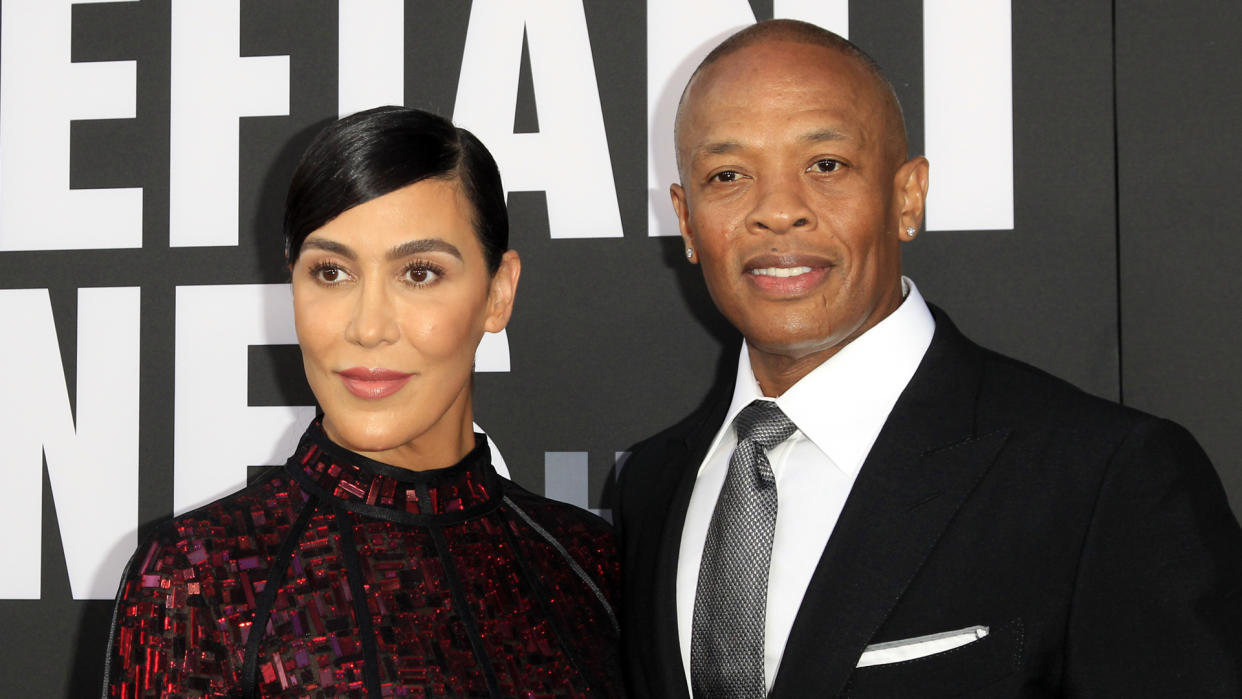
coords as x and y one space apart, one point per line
351 481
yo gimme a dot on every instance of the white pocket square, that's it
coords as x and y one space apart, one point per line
919 646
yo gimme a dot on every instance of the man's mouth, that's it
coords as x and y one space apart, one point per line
788 275
780 271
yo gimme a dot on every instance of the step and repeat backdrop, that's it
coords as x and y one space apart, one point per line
1081 218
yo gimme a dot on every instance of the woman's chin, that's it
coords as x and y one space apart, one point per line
368 437
373 446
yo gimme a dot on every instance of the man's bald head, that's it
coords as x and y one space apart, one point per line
795 31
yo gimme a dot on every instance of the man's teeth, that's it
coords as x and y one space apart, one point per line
780 271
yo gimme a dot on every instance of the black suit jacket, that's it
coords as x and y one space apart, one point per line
1094 541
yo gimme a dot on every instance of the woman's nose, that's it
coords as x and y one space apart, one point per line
374 320
780 207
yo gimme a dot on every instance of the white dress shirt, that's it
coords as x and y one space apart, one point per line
839 409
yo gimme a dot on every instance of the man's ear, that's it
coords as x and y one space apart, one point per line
678 195
910 184
502 291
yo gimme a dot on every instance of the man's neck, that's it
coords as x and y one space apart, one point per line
779 369
777 373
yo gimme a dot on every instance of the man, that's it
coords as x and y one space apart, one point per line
878 507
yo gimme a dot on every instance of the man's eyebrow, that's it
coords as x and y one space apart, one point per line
820 135
732 146
720 147
330 246
415 247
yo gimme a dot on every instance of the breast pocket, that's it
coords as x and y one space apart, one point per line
948 673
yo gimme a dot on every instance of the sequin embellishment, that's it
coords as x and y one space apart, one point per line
462 597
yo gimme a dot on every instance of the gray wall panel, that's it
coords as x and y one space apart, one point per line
1179 93
1046 291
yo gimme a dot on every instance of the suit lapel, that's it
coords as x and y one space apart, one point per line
924 464
684 457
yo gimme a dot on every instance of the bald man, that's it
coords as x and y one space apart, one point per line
876 506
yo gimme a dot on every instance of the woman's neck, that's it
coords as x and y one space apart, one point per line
441 445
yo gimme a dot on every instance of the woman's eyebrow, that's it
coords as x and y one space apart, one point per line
330 246
415 247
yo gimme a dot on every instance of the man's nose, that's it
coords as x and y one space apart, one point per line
780 206
374 319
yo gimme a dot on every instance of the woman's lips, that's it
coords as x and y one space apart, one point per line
373 384
786 275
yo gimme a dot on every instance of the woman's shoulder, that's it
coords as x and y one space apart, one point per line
229 532
189 573
566 533
567 541
555 516
236 513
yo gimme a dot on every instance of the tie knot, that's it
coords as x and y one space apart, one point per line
763 423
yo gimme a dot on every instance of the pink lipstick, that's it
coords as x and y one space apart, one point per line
373 384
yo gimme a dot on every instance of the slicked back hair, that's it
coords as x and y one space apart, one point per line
372 153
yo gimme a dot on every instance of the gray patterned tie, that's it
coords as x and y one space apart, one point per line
730 602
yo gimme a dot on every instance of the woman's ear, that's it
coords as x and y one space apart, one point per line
502 292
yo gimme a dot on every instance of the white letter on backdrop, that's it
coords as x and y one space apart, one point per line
211 87
41 91
968 88
679 34
568 159
215 327
968 106
370 54
93 466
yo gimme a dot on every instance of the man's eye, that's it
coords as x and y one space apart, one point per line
726 176
826 165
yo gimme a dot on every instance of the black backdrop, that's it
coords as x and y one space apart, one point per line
1115 273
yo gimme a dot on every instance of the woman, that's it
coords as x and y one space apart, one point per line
387 558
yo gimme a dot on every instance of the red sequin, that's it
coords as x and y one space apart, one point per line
521 621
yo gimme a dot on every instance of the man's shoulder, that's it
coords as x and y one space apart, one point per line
1017 392
1066 420
656 450
655 466
674 434
1013 393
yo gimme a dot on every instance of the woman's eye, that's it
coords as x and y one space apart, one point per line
329 274
421 275
826 165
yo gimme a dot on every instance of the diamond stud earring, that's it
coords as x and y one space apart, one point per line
689 253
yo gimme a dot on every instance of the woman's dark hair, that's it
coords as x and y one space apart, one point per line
369 154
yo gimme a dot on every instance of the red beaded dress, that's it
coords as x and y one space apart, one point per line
339 576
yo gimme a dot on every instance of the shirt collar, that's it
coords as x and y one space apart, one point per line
842 404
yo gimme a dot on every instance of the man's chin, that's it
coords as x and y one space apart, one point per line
795 346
